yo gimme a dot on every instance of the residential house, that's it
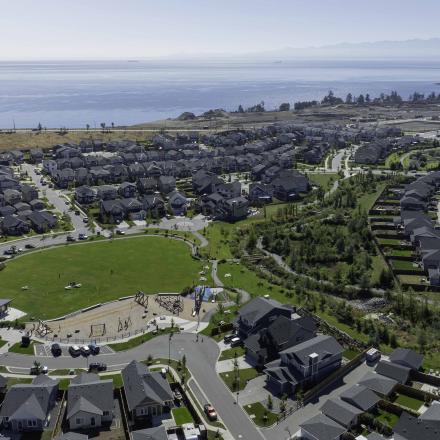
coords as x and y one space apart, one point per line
178 203
407 358
36 155
304 364
28 192
284 332
111 211
12 196
42 221
37 205
156 433
107 192
394 371
147 392
409 427
341 412
89 402
85 195
12 225
154 205
360 397
259 313
27 406
382 385
166 184
260 193
321 427
127 190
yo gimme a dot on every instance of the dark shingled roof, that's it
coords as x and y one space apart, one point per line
258 307
393 371
143 387
340 411
322 427
360 396
157 433
378 383
409 427
407 357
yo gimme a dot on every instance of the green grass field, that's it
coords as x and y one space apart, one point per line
230 353
181 415
106 269
245 375
138 340
17 348
409 402
325 179
387 418
258 413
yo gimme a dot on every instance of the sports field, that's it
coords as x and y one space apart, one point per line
106 270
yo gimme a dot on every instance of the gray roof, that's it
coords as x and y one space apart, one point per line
409 427
360 396
5 302
378 383
322 345
407 357
322 427
393 371
143 387
259 307
27 401
432 414
340 411
87 393
71 436
157 433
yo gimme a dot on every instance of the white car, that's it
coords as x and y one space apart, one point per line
85 350
74 350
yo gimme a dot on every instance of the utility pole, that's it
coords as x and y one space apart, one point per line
169 351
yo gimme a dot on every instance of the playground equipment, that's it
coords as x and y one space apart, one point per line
97 330
41 328
141 298
172 302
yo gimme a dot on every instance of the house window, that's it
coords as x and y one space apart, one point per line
78 421
92 421
106 413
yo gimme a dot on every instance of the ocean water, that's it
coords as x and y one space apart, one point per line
73 94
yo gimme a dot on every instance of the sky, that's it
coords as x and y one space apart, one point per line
84 29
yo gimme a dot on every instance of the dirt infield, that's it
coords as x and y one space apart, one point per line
117 319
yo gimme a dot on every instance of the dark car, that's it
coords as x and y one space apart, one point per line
29 246
70 238
97 366
94 349
56 349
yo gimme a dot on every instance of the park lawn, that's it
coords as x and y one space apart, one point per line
182 415
107 270
245 375
325 180
218 234
138 340
367 201
17 348
431 360
387 418
259 411
230 353
173 233
243 278
409 402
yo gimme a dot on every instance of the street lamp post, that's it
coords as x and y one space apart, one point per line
169 350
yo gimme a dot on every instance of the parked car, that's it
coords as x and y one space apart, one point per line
94 349
82 237
44 369
85 219
70 238
228 338
29 246
210 412
235 342
74 350
56 349
120 232
85 350
97 366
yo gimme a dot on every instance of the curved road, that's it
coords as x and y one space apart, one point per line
201 359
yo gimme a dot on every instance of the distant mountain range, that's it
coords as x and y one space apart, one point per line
408 49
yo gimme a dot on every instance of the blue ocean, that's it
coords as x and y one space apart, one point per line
76 93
